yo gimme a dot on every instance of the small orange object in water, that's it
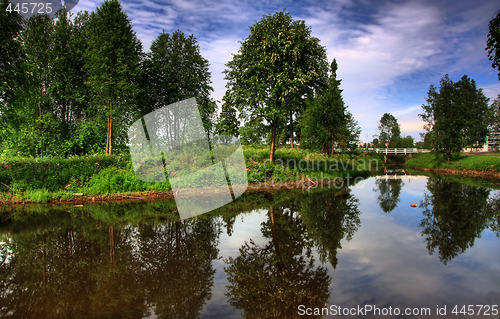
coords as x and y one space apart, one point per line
413 205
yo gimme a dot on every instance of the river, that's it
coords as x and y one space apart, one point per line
360 251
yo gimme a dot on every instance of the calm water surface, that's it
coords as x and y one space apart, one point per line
279 255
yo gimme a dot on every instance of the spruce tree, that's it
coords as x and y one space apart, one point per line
228 122
324 121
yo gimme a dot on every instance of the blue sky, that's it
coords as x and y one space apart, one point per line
388 52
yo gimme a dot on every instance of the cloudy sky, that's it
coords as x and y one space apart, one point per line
388 52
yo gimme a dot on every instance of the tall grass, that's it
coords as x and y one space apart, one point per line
472 162
45 179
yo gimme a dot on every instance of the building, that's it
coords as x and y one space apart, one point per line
493 141
492 144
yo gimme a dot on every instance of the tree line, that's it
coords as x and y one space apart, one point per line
457 114
67 83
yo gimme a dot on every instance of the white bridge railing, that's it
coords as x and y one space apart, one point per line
396 151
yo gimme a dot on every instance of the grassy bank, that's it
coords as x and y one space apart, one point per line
470 181
465 164
46 179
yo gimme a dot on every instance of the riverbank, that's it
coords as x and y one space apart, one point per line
469 165
111 178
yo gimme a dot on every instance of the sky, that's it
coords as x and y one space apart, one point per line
388 52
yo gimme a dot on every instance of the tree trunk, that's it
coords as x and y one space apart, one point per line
40 125
332 143
110 136
107 131
274 231
273 140
111 245
291 130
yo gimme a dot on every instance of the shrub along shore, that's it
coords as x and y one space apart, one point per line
111 177
484 165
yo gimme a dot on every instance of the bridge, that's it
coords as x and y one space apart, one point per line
395 151
403 177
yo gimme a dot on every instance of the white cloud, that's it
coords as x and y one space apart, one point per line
386 51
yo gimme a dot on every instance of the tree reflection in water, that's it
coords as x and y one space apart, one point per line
269 281
100 271
329 218
177 265
455 215
494 204
389 190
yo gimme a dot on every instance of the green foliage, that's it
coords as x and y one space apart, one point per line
457 116
293 165
11 53
390 131
349 135
406 142
112 62
41 179
46 113
472 162
324 115
278 63
493 42
113 180
173 71
228 123
253 132
326 124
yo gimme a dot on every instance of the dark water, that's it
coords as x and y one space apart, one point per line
280 255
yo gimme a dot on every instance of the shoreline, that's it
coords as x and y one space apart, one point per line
492 174
151 196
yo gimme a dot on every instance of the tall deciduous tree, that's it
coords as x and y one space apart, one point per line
36 137
11 53
175 70
277 63
112 60
493 42
456 114
474 105
12 57
390 132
